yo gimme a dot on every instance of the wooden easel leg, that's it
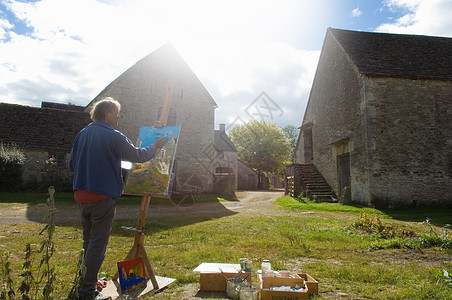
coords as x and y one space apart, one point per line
149 271
138 250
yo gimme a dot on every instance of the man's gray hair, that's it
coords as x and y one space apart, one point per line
104 106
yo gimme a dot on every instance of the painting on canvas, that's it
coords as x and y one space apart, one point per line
153 177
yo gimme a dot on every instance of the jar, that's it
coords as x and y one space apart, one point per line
266 266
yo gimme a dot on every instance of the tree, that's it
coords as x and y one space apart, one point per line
291 133
262 146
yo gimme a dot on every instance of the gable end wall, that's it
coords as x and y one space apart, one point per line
337 111
142 90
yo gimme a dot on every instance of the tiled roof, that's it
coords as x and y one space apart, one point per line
398 55
40 128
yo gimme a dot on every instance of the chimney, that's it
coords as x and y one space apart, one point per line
223 127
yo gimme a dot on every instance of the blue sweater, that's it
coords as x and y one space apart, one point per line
96 158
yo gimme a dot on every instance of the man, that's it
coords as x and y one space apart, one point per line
96 162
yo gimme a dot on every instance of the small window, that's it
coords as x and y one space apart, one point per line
223 171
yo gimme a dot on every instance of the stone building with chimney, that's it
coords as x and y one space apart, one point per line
378 120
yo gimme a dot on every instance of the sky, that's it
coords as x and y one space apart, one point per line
257 59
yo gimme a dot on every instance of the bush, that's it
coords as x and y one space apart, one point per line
50 174
11 162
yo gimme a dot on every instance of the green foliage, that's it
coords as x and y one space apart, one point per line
78 278
37 281
6 288
28 279
261 145
375 226
396 238
434 238
447 276
11 162
52 175
291 133
47 249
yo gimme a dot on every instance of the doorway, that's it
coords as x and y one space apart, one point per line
343 170
308 147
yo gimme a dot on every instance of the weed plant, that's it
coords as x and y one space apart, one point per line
394 237
7 283
37 282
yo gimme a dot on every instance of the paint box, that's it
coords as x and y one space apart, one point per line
268 283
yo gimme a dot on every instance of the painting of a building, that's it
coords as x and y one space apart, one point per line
378 119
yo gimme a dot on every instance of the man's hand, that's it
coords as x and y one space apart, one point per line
160 142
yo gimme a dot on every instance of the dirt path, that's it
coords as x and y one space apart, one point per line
250 202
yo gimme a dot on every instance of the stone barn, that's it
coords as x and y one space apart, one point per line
205 159
142 90
377 126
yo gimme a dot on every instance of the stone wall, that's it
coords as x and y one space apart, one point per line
397 132
40 128
338 117
41 133
410 141
246 177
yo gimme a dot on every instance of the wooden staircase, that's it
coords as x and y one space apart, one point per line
306 180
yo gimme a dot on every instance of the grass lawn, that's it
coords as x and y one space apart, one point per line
333 243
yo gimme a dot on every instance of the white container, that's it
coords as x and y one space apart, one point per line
269 273
266 266
284 273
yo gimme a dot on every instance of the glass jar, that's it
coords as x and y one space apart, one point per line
266 266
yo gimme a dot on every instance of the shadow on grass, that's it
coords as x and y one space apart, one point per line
177 211
211 295
437 216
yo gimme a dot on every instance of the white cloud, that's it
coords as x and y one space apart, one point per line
356 12
4 25
76 48
428 17
241 70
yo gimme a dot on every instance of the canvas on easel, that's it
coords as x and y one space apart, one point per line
131 274
154 177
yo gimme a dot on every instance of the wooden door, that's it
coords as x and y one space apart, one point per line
343 170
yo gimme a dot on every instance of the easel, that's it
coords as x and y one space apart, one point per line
138 250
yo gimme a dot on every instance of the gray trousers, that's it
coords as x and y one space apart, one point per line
97 219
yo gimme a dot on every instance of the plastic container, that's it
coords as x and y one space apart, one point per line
232 288
250 292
